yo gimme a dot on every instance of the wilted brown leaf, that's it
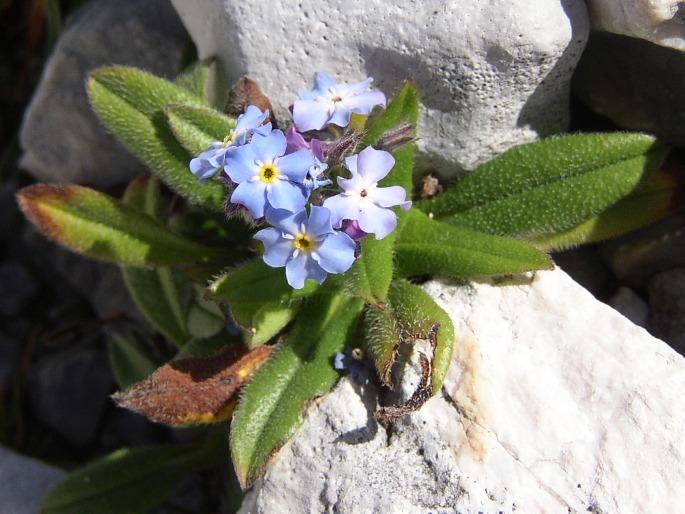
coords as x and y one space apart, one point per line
195 391
247 92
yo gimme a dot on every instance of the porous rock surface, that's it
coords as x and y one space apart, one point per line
489 74
554 403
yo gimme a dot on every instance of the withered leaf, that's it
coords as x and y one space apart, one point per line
247 92
195 391
423 393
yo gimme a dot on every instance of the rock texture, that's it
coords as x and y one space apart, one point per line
554 403
61 137
490 74
658 21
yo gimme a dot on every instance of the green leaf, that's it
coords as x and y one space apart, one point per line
205 318
131 359
194 79
133 481
255 282
207 346
429 247
102 227
370 275
130 103
549 185
144 193
404 108
660 195
196 127
263 321
271 407
156 294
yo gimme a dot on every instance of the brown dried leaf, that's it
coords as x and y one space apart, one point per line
423 393
247 92
195 391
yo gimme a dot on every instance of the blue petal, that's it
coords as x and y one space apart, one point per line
267 148
311 114
240 164
319 222
341 115
335 254
377 220
390 196
296 165
287 221
287 195
252 195
301 268
342 207
277 249
374 164
363 103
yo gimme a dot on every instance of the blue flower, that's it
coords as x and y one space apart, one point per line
266 177
307 247
315 178
333 103
212 160
362 199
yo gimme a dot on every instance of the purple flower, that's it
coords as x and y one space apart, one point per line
362 199
212 160
315 176
267 177
307 247
333 103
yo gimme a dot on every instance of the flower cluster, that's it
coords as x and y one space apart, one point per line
276 173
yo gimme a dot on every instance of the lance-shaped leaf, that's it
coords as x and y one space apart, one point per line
428 247
410 314
133 481
130 103
549 185
255 282
271 405
102 227
196 390
196 127
194 79
205 318
155 291
261 322
370 275
662 193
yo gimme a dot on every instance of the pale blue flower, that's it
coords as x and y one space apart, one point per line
266 177
212 160
315 177
333 103
362 199
308 247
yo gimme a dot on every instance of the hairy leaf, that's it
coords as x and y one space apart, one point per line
263 321
130 103
133 481
549 185
271 405
370 275
428 247
102 227
196 390
196 127
194 79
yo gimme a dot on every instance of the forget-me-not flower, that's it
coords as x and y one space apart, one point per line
308 247
333 103
315 178
362 199
212 160
266 176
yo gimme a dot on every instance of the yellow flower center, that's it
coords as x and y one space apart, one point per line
268 173
228 140
304 243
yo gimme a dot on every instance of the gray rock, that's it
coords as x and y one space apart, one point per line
24 482
69 389
667 303
17 286
658 21
490 75
636 257
635 83
552 402
627 302
62 138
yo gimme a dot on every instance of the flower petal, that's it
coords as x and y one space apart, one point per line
252 195
363 103
301 268
319 222
296 165
335 254
374 164
377 220
266 148
240 164
287 195
390 196
342 207
288 222
277 249
311 114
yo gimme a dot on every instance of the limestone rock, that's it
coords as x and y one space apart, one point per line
554 403
658 21
62 139
24 482
490 75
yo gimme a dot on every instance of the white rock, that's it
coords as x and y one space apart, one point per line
554 403
490 74
659 21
